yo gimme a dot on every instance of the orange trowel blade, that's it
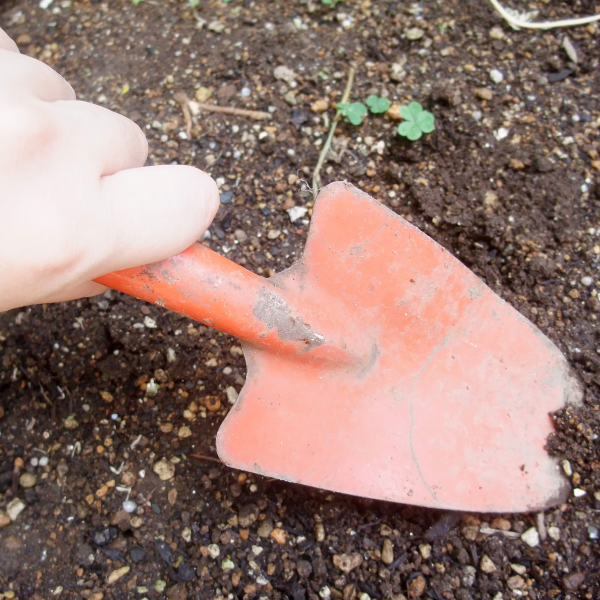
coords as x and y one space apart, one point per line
452 407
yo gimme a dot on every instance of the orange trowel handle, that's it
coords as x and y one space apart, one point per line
211 289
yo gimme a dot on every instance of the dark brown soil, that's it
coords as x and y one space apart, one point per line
522 212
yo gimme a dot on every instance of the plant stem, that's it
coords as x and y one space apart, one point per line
316 179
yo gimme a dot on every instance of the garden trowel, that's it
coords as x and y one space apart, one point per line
378 365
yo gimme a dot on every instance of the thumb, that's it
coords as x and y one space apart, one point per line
154 213
6 42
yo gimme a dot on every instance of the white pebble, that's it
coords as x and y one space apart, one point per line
245 92
232 394
496 76
14 508
213 550
296 212
149 322
554 533
501 133
531 537
43 461
587 281
578 492
129 506
34 462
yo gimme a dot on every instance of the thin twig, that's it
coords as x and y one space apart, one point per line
202 457
185 107
518 21
257 115
316 180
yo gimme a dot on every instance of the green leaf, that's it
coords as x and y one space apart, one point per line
353 112
377 105
417 121
193 3
411 111
410 130
426 122
136 2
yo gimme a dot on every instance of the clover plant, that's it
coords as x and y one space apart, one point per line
354 111
417 121
377 105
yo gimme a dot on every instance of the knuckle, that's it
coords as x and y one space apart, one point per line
31 127
137 144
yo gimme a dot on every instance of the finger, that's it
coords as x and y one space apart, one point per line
83 290
155 213
21 75
105 140
6 43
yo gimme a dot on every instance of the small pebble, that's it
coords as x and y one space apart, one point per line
184 432
487 564
240 235
554 533
531 537
232 394
149 322
213 550
27 480
296 212
579 493
415 33
227 565
387 552
245 92
136 522
592 532
284 74
71 422
226 197
137 554
117 574
4 519
496 33
164 469
425 551
483 93
129 506
216 26
43 461
573 581
587 281
496 76
279 535
14 508
319 106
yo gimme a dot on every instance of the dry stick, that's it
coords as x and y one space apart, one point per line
202 457
316 180
185 102
257 115
185 107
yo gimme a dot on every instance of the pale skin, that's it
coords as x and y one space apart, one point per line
76 201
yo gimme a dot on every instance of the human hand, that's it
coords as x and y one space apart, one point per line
76 201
